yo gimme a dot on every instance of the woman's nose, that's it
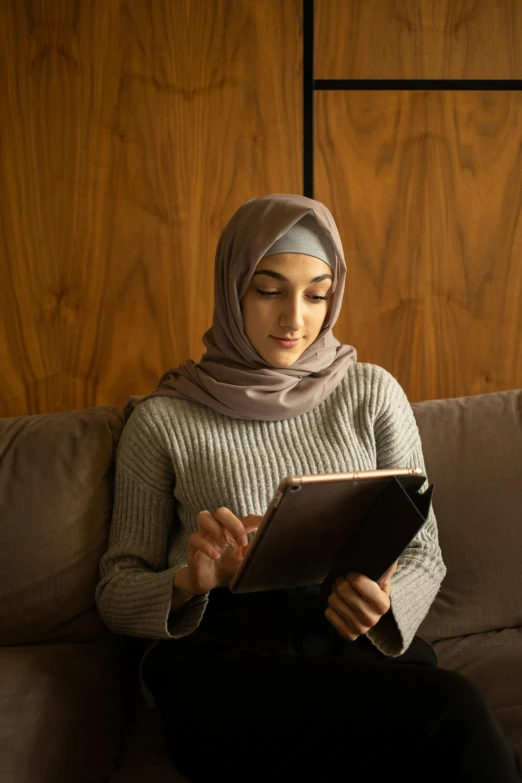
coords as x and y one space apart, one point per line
292 317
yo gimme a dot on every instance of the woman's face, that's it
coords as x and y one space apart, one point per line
284 299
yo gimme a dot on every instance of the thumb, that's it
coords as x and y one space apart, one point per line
384 584
384 581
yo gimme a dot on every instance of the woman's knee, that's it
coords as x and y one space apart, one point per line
458 685
459 697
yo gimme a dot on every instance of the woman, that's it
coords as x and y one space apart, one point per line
279 685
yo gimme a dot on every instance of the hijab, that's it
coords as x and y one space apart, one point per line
231 376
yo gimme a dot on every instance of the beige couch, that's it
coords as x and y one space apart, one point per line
70 705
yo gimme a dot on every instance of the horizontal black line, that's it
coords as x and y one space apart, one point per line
417 84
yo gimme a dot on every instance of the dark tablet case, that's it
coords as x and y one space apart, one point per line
384 531
374 546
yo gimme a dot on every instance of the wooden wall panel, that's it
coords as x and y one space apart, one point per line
426 188
418 39
130 131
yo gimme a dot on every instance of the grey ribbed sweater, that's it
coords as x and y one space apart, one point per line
176 458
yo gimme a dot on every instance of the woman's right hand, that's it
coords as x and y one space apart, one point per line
215 551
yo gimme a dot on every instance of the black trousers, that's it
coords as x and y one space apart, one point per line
308 706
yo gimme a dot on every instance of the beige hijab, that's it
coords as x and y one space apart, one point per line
231 377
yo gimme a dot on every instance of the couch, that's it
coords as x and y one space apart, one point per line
71 709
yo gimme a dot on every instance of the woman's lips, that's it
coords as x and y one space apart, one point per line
286 343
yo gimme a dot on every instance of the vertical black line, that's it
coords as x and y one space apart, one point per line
308 98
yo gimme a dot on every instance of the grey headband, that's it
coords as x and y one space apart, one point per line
306 237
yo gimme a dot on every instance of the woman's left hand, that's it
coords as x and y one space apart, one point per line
357 603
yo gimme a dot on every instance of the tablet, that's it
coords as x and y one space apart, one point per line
311 520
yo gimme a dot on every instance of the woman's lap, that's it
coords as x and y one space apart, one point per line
311 716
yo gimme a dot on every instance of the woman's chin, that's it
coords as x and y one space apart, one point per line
283 357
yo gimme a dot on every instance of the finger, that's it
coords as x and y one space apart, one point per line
340 626
252 522
391 570
365 591
226 518
386 577
222 536
199 544
359 620
208 526
362 607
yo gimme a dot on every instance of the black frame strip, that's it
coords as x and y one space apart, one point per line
310 85
417 84
308 98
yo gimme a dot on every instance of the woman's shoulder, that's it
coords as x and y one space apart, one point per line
161 420
152 411
144 413
372 378
145 425
375 389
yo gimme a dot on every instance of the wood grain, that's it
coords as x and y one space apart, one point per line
426 188
418 39
130 132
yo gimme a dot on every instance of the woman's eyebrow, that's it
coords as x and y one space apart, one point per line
279 276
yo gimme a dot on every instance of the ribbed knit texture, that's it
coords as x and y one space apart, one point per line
176 458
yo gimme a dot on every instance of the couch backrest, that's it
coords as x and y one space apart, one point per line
473 453
56 489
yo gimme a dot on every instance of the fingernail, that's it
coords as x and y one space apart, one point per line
243 540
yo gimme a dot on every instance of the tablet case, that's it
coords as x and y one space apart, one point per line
375 544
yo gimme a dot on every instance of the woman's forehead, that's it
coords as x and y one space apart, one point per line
293 261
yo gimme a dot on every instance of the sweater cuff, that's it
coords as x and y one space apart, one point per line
412 591
138 603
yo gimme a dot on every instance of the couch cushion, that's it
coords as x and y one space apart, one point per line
62 711
473 453
56 485
493 662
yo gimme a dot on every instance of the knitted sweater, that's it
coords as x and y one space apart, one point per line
176 458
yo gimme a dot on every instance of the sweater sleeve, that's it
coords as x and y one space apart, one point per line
134 592
420 569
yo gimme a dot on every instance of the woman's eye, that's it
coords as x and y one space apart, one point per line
315 297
